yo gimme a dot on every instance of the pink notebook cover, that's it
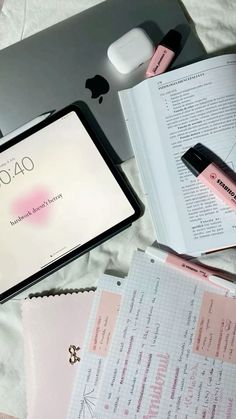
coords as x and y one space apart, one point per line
53 325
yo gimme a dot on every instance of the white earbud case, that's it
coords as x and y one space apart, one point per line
131 50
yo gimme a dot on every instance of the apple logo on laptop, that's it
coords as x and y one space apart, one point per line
98 86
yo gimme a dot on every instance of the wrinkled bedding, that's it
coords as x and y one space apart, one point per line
215 23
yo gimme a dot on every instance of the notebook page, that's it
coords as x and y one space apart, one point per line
100 329
193 104
173 354
54 329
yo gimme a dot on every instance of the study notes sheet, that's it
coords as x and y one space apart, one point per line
95 351
165 116
173 353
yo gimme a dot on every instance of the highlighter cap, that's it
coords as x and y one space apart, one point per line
172 40
195 161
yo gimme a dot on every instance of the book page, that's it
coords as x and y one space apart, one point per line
171 357
194 104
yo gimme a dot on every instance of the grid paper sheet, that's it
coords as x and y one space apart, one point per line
101 325
173 352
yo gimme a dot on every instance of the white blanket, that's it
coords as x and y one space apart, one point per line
215 22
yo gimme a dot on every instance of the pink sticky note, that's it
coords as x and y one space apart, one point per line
105 323
216 330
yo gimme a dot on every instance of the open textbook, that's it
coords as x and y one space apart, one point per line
165 116
159 344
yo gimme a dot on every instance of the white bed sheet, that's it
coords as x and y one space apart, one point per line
215 22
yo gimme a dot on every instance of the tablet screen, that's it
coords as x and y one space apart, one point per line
57 193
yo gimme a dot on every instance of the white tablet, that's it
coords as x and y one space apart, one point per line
60 196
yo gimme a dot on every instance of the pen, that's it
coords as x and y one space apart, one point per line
26 126
190 267
211 175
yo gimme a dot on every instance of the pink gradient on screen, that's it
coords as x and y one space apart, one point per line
36 200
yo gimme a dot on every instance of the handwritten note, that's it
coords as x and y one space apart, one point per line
172 351
105 322
216 330
101 326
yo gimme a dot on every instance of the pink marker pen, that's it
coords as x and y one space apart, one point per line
211 175
164 53
191 268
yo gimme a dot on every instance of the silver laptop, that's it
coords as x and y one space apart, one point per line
68 62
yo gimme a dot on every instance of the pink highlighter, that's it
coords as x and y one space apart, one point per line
211 175
164 53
